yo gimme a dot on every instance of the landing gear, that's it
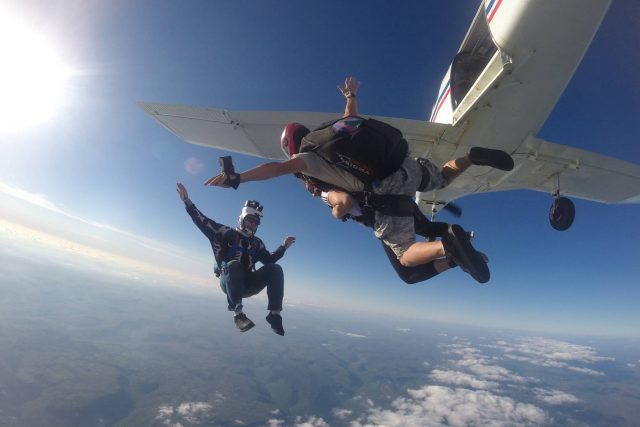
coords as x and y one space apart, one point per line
562 213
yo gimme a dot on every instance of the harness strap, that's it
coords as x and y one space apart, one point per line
387 204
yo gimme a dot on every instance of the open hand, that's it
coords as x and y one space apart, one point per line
182 191
216 181
290 240
225 180
350 86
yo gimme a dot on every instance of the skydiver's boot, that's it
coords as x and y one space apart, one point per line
487 157
458 248
243 322
275 320
484 256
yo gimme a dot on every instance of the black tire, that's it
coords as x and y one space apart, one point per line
562 213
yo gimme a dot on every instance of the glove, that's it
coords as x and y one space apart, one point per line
231 180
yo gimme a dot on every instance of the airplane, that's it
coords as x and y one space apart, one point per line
510 70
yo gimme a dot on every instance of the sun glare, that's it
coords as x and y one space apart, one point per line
32 76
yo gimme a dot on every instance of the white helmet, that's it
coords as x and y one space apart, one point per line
251 208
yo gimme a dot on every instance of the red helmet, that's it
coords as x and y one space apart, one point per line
291 137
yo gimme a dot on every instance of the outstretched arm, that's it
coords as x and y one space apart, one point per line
262 172
206 225
267 257
349 90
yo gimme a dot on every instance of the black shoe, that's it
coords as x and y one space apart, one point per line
459 249
275 320
243 322
484 257
487 157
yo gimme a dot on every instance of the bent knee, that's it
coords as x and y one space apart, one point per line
274 270
404 261
274 267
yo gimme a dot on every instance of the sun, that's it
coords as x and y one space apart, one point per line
32 76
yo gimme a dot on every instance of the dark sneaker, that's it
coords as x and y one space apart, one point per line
487 157
275 320
459 249
484 257
243 322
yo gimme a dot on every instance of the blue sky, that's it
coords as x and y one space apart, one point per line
102 162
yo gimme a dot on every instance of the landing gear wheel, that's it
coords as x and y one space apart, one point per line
562 213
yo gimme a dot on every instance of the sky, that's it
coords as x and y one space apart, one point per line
100 175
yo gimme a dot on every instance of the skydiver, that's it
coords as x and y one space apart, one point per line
414 174
344 207
236 250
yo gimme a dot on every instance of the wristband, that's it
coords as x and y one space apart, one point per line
232 180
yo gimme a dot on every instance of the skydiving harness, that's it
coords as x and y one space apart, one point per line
233 246
368 149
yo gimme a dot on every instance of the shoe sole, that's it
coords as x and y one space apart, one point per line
470 260
494 158
246 328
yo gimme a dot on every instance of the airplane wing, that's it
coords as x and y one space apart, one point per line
257 133
539 165
545 166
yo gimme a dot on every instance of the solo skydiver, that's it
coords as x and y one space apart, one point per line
236 251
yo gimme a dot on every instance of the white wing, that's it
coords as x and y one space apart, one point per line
538 163
542 166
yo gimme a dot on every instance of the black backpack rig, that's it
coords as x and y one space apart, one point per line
372 152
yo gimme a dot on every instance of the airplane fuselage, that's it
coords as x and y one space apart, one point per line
511 87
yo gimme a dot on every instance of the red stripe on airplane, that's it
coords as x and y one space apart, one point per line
493 12
441 102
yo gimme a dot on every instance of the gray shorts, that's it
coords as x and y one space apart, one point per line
398 232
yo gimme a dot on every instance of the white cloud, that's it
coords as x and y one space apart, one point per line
586 371
478 364
555 397
464 350
165 411
631 365
440 406
275 423
341 413
550 349
462 379
348 334
191 412
544 363
311 422
403 330
491 372
552 353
